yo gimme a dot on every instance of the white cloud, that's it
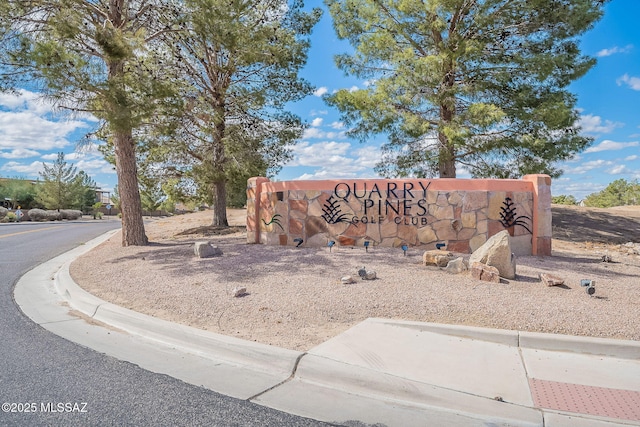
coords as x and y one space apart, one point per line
27 123
28 130
317 133
95 166
328 174
614 50
630 158
608 145
50 156
632 82
24 100
18 153
368 157
335 160
588 166
579 189
337 125
31 169
619 169
320 91
353 88
320 154
593 124
89 161
313 133
317 122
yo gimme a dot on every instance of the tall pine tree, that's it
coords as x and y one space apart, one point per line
239 63
475 83
92 56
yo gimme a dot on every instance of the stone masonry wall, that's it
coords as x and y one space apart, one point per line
457 214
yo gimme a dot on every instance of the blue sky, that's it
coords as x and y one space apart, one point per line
608 99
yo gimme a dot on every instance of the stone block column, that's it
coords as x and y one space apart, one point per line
254 188
541 240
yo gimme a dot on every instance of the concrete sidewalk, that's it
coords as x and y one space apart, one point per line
381 372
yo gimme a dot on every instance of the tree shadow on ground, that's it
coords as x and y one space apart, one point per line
596 226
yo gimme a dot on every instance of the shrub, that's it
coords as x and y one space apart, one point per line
97 215
37 215
8 217
42 215
53 215
3 212
70 214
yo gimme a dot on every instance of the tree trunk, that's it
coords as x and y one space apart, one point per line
446 153
133 233
219 190
219 161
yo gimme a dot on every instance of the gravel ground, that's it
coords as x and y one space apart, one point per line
295 298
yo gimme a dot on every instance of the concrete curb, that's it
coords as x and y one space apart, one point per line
621 349
238 368
345 378
253 355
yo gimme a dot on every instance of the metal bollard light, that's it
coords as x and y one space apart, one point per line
589 285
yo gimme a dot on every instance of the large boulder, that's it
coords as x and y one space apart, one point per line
496 252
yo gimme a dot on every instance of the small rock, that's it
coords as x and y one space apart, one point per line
206 250
239 291
607 258
366 274
362 272
485 272
347 280
551 280
456 266
436 257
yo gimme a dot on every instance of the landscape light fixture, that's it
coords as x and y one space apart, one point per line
299 241
439 246
366 245
404 249
330 244
589 285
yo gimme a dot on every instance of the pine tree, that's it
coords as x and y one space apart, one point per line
478 84
93 57
57 188
239 64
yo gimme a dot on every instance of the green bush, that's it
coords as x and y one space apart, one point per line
8 217
564 200
618 193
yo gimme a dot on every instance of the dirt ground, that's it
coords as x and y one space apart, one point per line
295 298
611 226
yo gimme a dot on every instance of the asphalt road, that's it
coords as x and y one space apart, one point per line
46 380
